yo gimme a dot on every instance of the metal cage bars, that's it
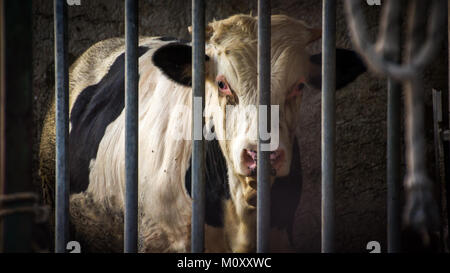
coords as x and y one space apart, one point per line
198 71
62 126
424 35
198 157
131 142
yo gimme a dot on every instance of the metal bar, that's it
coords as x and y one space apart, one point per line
198 147
18 197
438 151
2 113
62 127
263 168
426 51
421 210
328 123
391 29
18 119
393 167
19 210
131 126
446 126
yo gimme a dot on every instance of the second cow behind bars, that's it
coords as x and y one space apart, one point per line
97 137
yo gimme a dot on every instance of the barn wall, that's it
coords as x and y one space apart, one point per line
361 107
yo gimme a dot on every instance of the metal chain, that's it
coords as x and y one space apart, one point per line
424 38
41 213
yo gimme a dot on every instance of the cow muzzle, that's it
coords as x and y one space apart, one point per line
249 184
250 160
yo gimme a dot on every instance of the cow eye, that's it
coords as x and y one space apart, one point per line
222 85
296 90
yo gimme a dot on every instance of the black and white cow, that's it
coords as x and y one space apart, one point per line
97 162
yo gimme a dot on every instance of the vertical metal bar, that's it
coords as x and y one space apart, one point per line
2 114
131 126
198 147
263 168
328 123
62 127
446 126
421 209
392 23
18 109
438 151
393 167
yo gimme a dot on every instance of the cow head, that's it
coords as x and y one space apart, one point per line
231 105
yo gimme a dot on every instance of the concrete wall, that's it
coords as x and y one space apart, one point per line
361 107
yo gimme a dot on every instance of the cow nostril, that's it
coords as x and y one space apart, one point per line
252 153
249 157
249 160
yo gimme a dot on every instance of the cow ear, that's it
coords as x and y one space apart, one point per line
209 30
348 67
175 61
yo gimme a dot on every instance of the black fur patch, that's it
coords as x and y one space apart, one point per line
175 61
217 189
94 109
348 67
169 38
285 193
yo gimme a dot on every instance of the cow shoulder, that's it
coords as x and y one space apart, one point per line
93 65
87 70
97 82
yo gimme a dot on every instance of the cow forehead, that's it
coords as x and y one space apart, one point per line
234 43
244 28
289 63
